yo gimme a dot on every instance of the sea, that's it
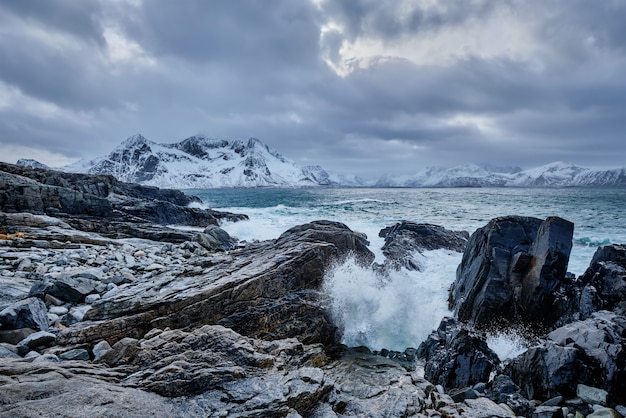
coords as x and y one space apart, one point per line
401 310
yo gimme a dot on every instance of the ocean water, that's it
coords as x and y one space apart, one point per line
400 311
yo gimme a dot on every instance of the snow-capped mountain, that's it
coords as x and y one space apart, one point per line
200 162
557 174
29 162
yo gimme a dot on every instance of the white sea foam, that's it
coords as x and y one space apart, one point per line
507 345
392 312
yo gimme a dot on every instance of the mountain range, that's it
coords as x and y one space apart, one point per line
201 162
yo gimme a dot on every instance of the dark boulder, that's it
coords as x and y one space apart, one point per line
28 313
605 281
456 356
216 239
405 238
590 352
514 271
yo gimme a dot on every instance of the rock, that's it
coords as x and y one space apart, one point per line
97 203
589 352
89 299
35 341
28 313
76 314
75 354
604 413
485 408
514 271
6 353
100 349
457 357
544 411
72 288
556 401
216 239
14 336
405 238
605 281
592 395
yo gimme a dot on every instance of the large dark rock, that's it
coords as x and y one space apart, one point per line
405 238
590 352
28 313
605 281
456 356
514 271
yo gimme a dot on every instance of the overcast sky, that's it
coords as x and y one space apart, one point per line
357 86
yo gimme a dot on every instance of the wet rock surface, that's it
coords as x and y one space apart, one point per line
514 271
406 238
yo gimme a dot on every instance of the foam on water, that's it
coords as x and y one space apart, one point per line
393 312
508 345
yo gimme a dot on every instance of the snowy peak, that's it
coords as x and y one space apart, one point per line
556 174
29 162
200 162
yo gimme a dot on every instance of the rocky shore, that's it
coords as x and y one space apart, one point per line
108 309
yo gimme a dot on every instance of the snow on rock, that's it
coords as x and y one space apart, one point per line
201 162
557 174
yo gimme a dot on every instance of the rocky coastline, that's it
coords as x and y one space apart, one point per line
108 309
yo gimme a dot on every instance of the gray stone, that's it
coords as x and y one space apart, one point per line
544 411
75 354
28 313
556 401
604 413
6 353
35 341
100 349
73 288
592 395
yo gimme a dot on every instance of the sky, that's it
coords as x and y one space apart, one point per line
365 87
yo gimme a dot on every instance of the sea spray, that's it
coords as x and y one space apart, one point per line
393 311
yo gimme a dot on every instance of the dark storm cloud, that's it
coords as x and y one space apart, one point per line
243 36
79 18
237 69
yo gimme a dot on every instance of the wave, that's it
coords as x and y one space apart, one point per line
591 242
357 201
395 311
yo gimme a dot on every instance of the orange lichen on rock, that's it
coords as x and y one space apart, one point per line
11 236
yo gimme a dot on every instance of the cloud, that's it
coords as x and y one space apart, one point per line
357 86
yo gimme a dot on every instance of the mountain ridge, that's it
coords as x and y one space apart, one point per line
202 162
